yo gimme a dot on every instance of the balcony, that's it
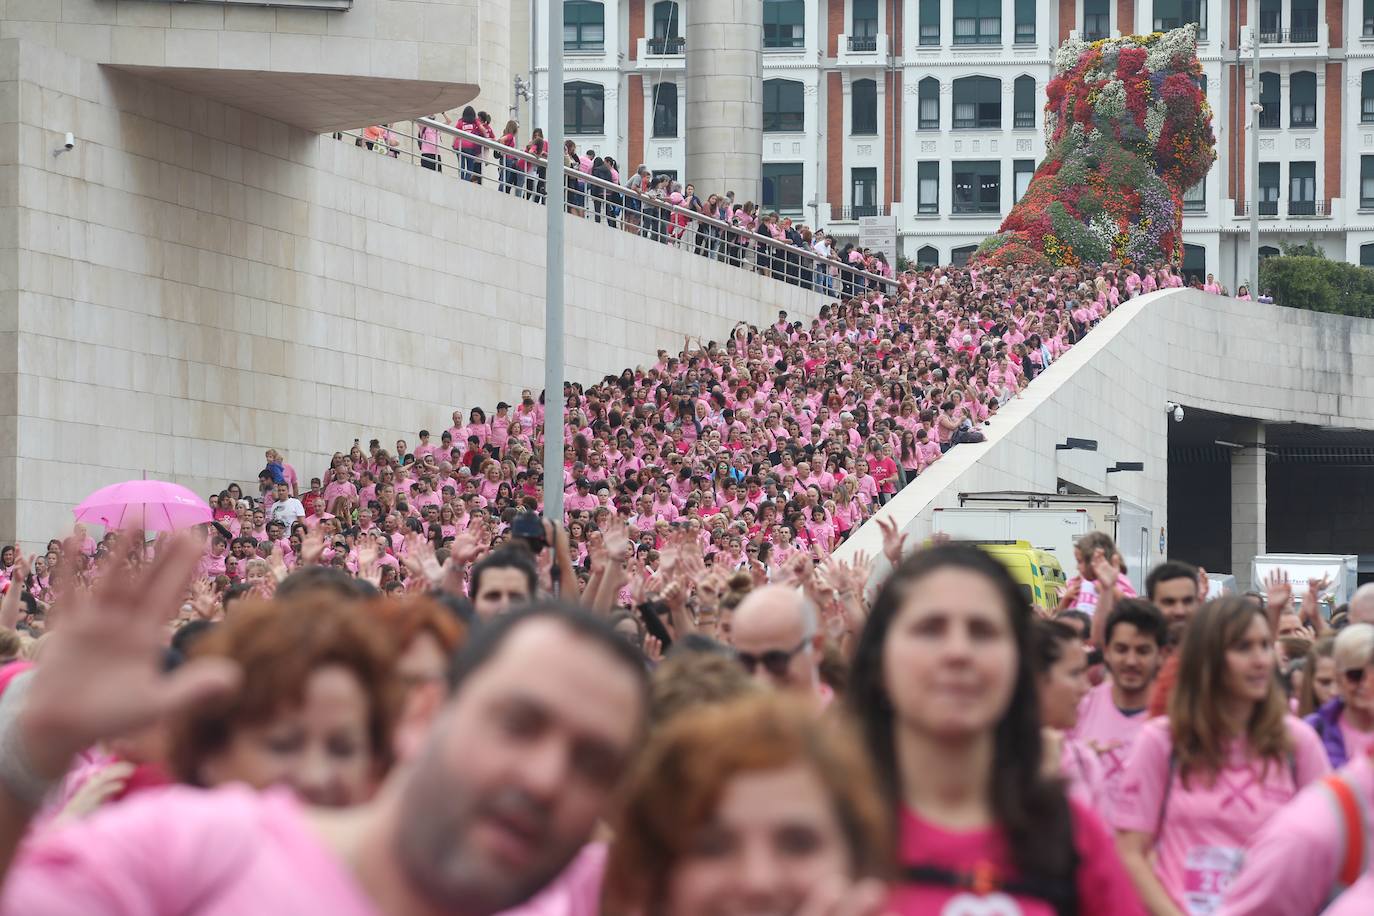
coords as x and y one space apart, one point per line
1309 208
661 53
1301 209
1298 42
670 46
851 213
863 50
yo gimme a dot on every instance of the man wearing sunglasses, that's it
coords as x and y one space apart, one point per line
778 641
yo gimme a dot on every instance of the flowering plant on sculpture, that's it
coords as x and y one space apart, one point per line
1128 131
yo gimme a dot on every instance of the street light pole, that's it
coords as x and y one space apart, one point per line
553 276
1255 109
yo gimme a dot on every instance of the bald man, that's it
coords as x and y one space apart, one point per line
778 641
1362 604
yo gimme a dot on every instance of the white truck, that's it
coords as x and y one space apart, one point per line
1340 569
1130 525
1055 530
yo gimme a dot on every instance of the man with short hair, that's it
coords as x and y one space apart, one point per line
1176 589
286 508
499 789
777 639
1111 715
502 579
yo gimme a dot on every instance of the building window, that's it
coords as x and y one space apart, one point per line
1367 255
1271 21
667 28
978 103
1025 22
928 104
1269 101
782 107
584 108
929 256
978 187
863 107
928 187
958 257
665 109
1023 95
1022 171
1367 182
1302 188
784 23
863 192
1097 20
584 26
930 21
864 23
1302 99
1368 31
782 186
977 22
1173 14
1367 97
1268 251
1194 263
1304 27
1195 198
1269 189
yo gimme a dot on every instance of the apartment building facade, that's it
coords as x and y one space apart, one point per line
929 111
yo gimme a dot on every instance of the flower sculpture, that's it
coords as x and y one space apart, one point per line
1128 131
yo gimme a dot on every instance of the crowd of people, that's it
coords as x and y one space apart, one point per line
395 688
657 207
809 742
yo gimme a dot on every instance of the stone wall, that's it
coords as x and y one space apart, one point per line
193 284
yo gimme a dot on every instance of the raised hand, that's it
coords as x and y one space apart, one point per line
367 562
102 786
312 547
203 600
470 544
615 537
1278 591
893 542
653 649
1104 571
100 675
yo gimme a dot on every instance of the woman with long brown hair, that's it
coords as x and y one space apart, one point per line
1203 781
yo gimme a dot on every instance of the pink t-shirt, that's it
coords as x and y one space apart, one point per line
1103 886
1106 732
1081 769
1358 901
180 850
1357 743
1207 824
1292 865
576 892
1087 592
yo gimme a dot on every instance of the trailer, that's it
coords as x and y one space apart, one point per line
1052 530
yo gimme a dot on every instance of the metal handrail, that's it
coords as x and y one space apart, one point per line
728 230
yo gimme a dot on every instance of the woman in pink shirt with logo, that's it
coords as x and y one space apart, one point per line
943 686
1203 781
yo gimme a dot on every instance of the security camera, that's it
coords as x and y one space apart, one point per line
1174 410
69 142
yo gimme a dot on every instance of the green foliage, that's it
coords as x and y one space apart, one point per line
1301 250
1314 283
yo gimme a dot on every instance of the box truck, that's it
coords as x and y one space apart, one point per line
1129 524
1341 569
1050 530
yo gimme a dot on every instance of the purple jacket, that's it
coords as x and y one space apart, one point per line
1326 721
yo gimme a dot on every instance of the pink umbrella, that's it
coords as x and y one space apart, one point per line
152 505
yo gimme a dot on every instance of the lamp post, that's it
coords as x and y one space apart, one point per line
1255 109
553 276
